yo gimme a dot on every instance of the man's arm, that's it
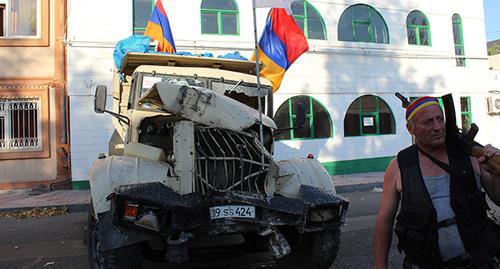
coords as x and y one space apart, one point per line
490 181
385 219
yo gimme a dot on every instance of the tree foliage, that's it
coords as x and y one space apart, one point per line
494 50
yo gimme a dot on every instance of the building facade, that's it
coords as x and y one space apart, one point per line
34 142
361 53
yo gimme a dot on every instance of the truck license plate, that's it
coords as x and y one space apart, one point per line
232 211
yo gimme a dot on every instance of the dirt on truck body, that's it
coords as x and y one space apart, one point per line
188 178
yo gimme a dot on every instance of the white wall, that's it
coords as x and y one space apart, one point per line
333 72
92 34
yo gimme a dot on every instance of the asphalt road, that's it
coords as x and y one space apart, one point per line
58 242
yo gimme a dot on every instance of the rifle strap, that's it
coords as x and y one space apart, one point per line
446 167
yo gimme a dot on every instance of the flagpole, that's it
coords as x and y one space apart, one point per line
257 70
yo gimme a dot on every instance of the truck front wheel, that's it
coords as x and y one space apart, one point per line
316 250
129 257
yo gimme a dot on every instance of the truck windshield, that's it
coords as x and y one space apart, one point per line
148 81
243 92
245 88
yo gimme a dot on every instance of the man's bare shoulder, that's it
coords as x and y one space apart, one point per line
392 176
392 169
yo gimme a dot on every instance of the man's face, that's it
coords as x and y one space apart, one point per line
428 126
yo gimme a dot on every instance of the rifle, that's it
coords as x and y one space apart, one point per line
463 138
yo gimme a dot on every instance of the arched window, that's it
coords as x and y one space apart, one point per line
458 40
309 20
362 23
369 115
317 125
219 17
419 31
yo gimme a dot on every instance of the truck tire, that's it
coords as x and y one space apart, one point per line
316 250
129 257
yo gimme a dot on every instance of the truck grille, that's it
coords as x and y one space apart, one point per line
229 161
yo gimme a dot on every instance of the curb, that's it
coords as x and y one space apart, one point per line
75 208
363 187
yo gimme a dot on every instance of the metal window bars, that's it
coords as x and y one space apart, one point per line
20 124
229 161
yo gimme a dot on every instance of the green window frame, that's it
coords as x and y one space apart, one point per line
309 20
375 119
221 15
458 40
140 16
318 123
418 29
465 112
362 23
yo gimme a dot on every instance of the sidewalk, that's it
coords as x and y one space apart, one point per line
358 182
78 200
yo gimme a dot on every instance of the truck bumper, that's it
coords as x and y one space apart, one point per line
175 214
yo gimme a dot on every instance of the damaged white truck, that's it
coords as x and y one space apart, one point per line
188 180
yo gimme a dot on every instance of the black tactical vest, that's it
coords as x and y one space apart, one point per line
416 223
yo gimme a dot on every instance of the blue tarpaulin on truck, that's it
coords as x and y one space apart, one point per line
135 43
140 43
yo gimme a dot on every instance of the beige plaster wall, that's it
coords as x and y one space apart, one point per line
29 170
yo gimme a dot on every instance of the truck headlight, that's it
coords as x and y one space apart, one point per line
322 214
149 221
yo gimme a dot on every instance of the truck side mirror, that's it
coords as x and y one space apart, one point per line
100 99
300 117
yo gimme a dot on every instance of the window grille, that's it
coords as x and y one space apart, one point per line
20 124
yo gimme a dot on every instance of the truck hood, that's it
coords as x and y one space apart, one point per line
203 106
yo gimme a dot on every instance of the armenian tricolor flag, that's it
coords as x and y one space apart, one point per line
158 28
281 43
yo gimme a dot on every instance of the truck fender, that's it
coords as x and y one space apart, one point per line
302 171
108 173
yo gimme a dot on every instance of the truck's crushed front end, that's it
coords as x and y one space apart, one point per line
196 182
